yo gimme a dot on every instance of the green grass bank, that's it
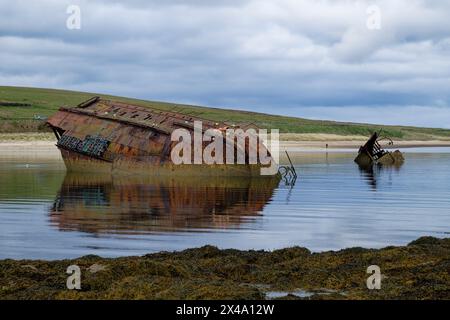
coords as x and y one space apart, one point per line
21 109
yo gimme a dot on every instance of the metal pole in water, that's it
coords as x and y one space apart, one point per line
292 166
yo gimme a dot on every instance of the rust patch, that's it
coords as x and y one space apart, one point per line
129 136
372 153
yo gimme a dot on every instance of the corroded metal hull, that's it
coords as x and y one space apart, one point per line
372 153
76 162
107 136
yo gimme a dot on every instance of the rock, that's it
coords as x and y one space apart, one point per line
29 266
96 268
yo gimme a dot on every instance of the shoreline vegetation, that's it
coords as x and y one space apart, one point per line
419 270
25 110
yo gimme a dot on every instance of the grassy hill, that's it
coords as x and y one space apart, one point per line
20 109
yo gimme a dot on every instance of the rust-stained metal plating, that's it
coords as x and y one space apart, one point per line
105 135
372 153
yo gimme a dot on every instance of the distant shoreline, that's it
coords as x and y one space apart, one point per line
356 144
287 141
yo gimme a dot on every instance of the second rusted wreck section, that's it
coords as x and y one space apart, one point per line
108 136
372 153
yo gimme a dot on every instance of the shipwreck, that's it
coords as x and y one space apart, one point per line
101 135
372 153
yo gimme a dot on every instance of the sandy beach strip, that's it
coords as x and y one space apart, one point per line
323 141
287 141
352 144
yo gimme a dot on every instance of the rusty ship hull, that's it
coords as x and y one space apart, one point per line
108 136
372 153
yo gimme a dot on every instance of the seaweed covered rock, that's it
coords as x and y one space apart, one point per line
419 270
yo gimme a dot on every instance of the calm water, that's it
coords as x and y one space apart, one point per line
46 213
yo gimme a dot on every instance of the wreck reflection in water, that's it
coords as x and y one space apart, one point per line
331 206
132 204
372 172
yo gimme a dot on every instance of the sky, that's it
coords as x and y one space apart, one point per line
384 62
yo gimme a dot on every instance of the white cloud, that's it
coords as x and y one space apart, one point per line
286 55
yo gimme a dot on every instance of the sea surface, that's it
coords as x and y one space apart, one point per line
46 213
